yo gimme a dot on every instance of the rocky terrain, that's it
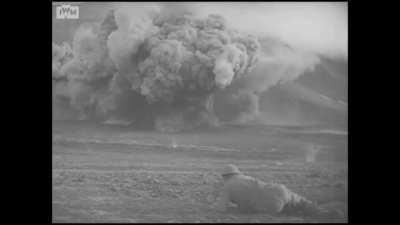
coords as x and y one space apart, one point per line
114 174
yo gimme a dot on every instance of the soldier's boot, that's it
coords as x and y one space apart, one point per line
314 211
306 208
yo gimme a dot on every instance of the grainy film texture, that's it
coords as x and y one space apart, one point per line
199 112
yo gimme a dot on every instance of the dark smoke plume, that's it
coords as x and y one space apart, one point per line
171 71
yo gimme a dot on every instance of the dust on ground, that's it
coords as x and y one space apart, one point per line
103 174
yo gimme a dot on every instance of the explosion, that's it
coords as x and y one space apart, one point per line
168 71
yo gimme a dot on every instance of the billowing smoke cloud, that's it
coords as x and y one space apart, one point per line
166 67
277 63
169 67
316 27
82 74
292 36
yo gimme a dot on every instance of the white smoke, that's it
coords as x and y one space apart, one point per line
311 152
170 59
316 27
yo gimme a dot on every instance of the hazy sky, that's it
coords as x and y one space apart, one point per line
320 27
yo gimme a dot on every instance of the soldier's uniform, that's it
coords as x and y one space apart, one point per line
253 195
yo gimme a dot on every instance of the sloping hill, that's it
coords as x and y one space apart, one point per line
317 97
328 78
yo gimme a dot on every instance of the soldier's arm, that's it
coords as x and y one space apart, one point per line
222 201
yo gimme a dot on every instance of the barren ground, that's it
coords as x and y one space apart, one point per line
115 174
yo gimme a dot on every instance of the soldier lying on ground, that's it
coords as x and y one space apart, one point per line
252 195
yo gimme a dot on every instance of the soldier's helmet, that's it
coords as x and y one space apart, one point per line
230 169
